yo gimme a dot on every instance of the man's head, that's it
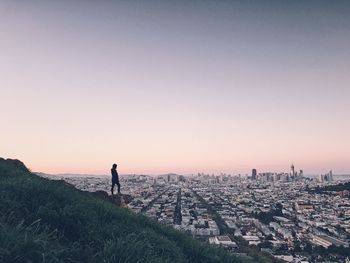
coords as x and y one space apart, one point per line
114 166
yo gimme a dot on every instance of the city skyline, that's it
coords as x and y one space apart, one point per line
179 87
253 174
287 216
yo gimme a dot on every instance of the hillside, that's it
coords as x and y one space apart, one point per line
333 188
51 221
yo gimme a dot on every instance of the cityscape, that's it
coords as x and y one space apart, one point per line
188 131
279 214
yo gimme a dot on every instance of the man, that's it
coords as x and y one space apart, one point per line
115 178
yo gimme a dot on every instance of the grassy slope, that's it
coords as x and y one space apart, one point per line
50 221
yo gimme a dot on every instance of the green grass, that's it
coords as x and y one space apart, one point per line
50 221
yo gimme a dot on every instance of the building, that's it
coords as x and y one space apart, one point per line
292 171
326 241
252 240
254 174
222 240
319 241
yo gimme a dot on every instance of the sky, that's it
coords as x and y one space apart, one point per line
175 86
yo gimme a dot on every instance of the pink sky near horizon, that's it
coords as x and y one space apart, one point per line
186 88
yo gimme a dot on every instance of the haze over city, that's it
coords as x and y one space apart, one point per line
183 86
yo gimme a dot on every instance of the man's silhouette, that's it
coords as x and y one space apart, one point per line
115 178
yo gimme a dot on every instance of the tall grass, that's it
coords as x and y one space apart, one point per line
51 221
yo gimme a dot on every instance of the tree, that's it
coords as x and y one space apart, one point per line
297 247
269 237
308 248
266 244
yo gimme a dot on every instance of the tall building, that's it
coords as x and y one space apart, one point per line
254 174
292 171
321 178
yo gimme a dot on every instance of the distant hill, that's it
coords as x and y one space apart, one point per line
50 221
333 188
61 175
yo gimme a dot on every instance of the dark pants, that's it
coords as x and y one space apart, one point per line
115 182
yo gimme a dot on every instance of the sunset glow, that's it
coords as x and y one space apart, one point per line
162 87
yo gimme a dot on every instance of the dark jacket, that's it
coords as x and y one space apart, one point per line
115 177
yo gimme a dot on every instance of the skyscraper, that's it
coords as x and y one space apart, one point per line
292 171
254 174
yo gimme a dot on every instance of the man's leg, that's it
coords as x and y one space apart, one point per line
112 189
118 184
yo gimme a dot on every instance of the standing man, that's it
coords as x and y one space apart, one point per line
115 178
